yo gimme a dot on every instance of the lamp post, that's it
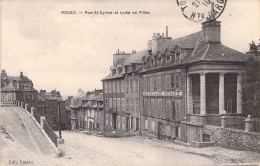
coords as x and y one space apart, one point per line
59 111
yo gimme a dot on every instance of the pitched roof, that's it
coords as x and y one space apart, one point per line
216 52
9 87
109 76
75 103
137 57
185 42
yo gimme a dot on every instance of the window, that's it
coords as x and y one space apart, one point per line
127 103
177 56
175 81
167 82
111 123
118 104
114 86
118 87
105 87
152 126
123 123
131 85
145 84
159 83
114 103
106 103
145 107
136 104
151 84
159 108
152 107
168 109
145 103
122 104
146 124
155 82
127 86
136 85
122 86
110 103
148 107
32 97
177 109
172 82
111 87
132 104
119 122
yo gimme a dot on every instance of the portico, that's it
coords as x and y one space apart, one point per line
214 91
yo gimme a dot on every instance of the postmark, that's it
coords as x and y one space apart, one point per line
201 10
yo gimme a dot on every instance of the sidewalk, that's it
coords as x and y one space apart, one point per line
41 141
221 155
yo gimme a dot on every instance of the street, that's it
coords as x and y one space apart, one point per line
21 141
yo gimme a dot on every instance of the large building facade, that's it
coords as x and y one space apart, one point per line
179 86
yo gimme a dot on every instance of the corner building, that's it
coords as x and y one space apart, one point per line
185 84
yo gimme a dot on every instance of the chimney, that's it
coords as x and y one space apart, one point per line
21 74
149 45
211 32
166 32
155 41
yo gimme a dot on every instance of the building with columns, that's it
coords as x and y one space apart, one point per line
190 82
185 84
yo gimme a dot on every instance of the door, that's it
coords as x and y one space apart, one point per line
137 124
127 123
114 122
160 131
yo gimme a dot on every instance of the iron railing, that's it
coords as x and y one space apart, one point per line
50 132
37 116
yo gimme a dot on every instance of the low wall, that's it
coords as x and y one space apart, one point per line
235 139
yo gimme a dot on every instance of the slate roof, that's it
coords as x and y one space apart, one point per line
137 57
75 103
184 42
216 52
109 76
9 87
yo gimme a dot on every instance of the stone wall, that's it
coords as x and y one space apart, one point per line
235 139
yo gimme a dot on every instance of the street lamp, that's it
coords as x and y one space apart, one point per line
59 111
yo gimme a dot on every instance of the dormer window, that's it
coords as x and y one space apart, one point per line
177 56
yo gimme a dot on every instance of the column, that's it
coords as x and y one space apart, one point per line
221 104
239 94
202 93
189 108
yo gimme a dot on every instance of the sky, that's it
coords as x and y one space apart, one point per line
71 51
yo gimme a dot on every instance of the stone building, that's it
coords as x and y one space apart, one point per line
190 82
93 116
185 84
87 111
122 92
49 104
17 88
